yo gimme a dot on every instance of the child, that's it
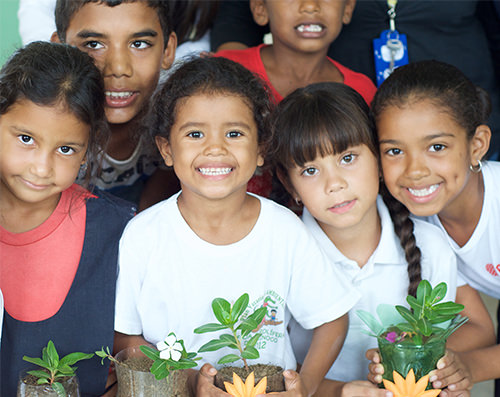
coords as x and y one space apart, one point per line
59 242
325 153
131 41
433 137
215 240
302 32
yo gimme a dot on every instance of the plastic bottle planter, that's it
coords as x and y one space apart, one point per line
134 378
27 387
274 373
401 357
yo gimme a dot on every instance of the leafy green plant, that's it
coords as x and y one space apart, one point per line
425 320
55 368
230 318
105 353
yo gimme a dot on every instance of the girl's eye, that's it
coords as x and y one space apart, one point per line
140 44
437 147
310 171
348 158
94 45
233 134
394 152
26 139
195 134
66 150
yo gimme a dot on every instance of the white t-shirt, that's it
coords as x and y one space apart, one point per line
383 279
169 276
479 259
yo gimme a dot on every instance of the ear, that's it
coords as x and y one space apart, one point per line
169 52
259 12
480 143
348 11
55 38
261 156
165 150
285 181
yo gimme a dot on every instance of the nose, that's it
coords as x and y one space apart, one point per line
215 145
416 167
334 182
42 165
117 62
309 6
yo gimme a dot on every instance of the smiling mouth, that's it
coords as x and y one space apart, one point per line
215 171
119 94
310 28
424 192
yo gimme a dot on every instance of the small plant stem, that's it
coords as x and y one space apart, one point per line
238 343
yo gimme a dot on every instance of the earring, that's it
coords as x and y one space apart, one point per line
297 201
476 168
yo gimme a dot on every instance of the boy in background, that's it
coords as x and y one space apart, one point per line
131 42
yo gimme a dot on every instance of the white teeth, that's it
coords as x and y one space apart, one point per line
423 192
312 28
121 94
215 171
342 205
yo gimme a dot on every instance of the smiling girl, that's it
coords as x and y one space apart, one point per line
432 132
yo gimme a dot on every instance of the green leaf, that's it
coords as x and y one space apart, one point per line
73 358
370 321
39 374
45 356
229 358
183 364
65 370
415 305
438 293
407 315
36 361
59 389
239 307
423 292
160 369
259 314
209 328
221 309
250 353
248 324
213 345
42 381
448 308
252 342
232 343
52 355
425 327
153 354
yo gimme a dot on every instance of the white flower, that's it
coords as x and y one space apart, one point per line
170 348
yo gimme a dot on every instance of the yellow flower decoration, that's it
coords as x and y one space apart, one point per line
247 389
408 388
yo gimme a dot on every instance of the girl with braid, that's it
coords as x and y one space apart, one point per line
325 154
432 137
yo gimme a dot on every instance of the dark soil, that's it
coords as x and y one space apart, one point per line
275 381
142 364
32 388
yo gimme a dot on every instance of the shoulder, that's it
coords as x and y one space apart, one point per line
248 57
270 210
429 235
358 81
110 205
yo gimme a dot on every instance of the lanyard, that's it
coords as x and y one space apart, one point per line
392 14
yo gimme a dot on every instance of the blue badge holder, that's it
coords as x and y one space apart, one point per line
390 43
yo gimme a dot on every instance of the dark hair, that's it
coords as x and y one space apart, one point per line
210 75
191 19
442 84
328 118
49 74
65 9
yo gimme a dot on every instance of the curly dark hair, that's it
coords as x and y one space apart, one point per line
65 9
328 118
210 75
442 84
48 74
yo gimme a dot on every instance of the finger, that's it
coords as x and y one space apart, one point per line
373 355
208 372
292 380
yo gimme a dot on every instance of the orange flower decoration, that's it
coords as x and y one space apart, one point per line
408 388
247 389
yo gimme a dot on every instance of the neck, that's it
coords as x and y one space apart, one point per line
461 216
359 242
122 141
219 222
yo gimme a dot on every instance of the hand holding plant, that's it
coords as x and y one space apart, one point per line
55 369
230 318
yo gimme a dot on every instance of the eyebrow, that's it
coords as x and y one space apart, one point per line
230 124
426 138
85 34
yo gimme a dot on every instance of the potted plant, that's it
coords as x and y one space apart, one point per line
55 378
414 338
240 338
148 372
